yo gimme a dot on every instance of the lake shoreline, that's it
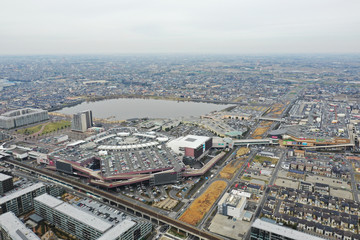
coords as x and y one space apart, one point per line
163 108
102 98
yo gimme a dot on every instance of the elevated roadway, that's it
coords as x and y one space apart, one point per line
205 168
331 146
117 201
271 119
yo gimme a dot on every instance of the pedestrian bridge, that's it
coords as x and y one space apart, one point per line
271 119
265 141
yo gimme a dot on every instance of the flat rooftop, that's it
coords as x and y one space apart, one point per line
84 217
15 228
21 192
20 112
191 141
48 200
117 230
4 177
284 231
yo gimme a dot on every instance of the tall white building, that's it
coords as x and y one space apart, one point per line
82 121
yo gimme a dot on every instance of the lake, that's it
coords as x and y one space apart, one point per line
126 108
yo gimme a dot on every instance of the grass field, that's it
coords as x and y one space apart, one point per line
246 178
49 127
230 169
261 159
203 204
30 130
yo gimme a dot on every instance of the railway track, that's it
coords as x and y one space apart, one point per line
106 195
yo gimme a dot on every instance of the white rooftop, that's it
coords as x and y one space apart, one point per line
73 144
4 177
48 200
131 146
15 228
117 230
84 217
284 231
20 193
191 141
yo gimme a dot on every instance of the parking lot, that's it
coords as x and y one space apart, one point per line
336 183
142 160
232 228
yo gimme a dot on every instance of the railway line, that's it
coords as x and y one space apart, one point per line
150 214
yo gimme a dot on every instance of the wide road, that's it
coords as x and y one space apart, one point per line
353 183
230 183
266 190
106 195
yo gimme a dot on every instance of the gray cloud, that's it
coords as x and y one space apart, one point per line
173 26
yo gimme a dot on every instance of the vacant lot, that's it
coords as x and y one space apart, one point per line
230 169
335 192
261 129
167 204
276 110
242 151
282 182
357 177
261 159
202 204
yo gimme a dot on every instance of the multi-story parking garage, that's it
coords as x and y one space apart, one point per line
118 157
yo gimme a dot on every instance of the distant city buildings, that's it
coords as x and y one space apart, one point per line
82 121
301 104
22 117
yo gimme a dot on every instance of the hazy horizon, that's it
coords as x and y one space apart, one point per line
136 27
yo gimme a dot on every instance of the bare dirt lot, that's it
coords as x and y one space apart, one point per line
202 204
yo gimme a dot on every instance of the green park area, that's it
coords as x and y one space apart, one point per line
48 128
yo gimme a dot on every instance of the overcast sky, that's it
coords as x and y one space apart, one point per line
179 26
